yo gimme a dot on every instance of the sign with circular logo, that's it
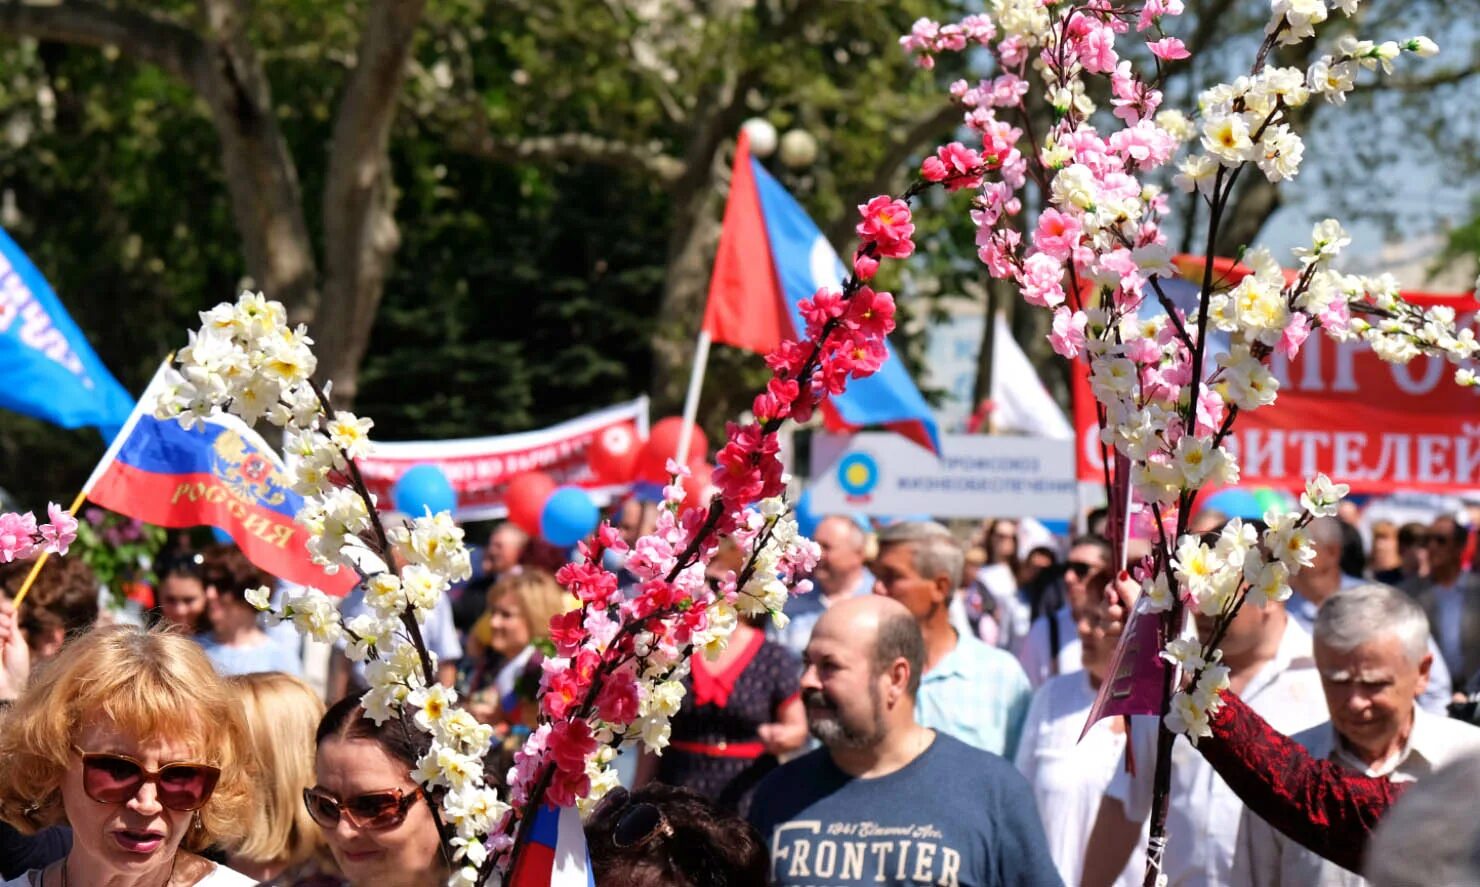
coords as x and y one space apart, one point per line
858 474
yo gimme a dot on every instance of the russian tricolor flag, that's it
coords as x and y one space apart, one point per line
222 475
771 256
556 855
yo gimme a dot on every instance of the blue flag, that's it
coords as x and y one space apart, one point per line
48 367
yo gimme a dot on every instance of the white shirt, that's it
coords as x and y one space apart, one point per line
1267 858
508 674
1203 817
1013 611
1069 776
1036 655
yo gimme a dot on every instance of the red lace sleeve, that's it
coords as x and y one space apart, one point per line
1321 805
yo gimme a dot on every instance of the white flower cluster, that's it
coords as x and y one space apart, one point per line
1238 569
245 359
1333 76
244 356
1244 121
765 591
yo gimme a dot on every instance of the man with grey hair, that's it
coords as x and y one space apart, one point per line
1372 652
972 691
1323 578
840 574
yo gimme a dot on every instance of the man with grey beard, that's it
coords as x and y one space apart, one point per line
885 800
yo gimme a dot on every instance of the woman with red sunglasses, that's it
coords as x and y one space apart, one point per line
376 820
129 737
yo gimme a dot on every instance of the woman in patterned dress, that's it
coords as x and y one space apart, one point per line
741 714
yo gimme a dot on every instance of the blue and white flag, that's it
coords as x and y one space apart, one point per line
47 368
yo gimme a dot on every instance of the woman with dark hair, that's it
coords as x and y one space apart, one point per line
660 836
236 644
63 602
183 598
375 819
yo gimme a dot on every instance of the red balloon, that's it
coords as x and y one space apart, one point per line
613 454
526 498
662 445
698 487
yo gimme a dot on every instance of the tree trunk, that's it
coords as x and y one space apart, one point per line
261 177
360 233
223 68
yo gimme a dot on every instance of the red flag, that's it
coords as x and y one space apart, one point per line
745 307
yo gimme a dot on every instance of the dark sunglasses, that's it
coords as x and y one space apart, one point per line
372 811
1080 569
114 779
639 825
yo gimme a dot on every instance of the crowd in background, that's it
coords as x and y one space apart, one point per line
889 728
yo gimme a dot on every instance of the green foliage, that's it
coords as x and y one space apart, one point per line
1462 245
118 549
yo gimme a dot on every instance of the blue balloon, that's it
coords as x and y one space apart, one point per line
568 517
221 536
423 487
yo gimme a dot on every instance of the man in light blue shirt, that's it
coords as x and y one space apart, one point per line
976 693
840 574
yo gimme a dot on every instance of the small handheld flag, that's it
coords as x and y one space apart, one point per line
221 474
556 855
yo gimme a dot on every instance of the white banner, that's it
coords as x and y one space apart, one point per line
975 476
480 468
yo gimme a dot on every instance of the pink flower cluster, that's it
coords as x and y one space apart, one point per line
21 537
887 227
927 38
956 165
608 650
1101 228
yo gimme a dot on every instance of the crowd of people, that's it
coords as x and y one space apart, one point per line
918 718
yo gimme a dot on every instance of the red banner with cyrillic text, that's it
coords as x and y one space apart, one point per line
1343 411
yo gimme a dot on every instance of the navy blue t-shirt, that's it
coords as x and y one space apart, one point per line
955 816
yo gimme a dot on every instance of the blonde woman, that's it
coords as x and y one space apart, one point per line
129 737
283 846
520 608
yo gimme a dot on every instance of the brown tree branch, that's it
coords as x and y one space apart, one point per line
1418 84
261 175
360 233
160 42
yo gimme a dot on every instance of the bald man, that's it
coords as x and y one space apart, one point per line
885 800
